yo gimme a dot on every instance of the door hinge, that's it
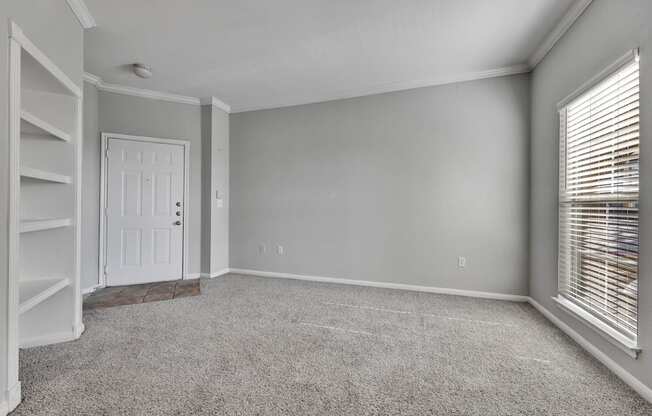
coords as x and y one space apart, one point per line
106 270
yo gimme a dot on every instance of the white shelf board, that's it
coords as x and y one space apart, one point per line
33 292
33 125
41 175
29 225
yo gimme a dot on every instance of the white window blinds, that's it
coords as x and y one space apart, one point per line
598 199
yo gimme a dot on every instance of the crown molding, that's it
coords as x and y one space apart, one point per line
379 89
390 87
92 79
216 102
143 93
83 14
573 13
151 94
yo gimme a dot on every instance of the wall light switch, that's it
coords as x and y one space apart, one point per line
280 250
220 203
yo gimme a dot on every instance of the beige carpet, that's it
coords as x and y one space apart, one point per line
256 346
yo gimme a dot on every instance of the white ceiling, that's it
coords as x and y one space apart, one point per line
260 53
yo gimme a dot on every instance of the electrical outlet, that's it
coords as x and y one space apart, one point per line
262 248
461 262
280 250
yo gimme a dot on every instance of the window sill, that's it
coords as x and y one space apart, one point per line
628 346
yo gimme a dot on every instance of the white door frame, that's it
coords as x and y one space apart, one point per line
103 201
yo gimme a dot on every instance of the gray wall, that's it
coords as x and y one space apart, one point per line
65 47
606 31
90 189
145 117
388 188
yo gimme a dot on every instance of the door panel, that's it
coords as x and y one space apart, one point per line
144 233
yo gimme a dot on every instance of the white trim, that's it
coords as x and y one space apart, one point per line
42 175
92 289
192 276
44 126
13 399
628 346
624 375
573 13
18 35
390 87
385 285
628 57
378 89
79 137
84 16
215 102
14 396
92 79
78 330
216 274
56 338
153 95
54 286
10 378
139 92
103 184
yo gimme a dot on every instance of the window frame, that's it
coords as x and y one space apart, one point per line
627 345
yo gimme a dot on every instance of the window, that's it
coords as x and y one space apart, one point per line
598 201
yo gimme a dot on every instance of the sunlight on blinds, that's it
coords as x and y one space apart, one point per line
598 200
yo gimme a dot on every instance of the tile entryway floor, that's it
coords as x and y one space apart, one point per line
149 292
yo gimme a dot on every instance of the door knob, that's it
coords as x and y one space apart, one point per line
178 204
177 223
178 213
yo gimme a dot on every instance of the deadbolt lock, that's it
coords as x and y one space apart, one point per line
178 213
178 204
177 223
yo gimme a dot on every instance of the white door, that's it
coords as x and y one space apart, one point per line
144 212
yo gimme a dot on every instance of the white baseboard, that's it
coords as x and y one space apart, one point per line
190 276
91 289
400 286
79 330
623 374
215 274
55 338
13 399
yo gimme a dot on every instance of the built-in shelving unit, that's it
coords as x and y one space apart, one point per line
33 292
28 226
32 125
45 201
42 175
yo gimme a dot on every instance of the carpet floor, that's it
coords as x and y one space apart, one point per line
260 346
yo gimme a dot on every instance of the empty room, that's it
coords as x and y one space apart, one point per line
318 207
